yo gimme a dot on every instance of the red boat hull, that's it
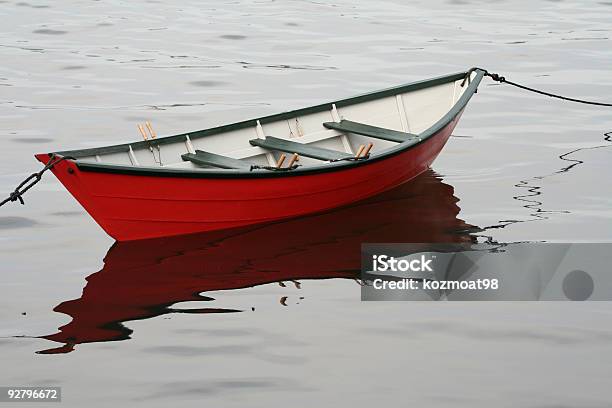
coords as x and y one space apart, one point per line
137 282
131 207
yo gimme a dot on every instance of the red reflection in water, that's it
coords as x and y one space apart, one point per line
143 279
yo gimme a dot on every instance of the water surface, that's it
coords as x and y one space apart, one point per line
205 319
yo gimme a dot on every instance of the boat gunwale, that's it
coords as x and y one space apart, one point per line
447 118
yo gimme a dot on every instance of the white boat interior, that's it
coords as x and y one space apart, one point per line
349 129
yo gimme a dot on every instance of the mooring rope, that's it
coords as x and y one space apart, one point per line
534 190
31 181
502 80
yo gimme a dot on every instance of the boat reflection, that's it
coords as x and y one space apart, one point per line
144 279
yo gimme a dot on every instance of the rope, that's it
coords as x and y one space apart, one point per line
31 180
367 156
502 80
534 190
272 168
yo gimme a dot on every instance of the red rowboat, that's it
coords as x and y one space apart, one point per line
270 168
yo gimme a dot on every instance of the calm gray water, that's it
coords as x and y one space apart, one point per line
82 74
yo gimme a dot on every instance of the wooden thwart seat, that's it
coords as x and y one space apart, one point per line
201 157
370 131
282 145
